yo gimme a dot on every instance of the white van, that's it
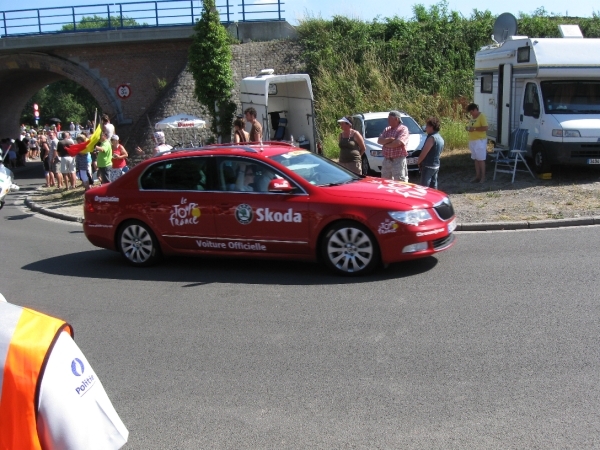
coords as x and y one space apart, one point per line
284 106
549 86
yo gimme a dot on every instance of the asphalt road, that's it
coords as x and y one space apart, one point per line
493 344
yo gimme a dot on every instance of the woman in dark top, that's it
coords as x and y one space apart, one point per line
429 159
352 147
240 134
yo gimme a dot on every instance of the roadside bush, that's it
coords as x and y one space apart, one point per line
423 65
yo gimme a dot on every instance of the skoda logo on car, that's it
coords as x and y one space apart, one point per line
243 214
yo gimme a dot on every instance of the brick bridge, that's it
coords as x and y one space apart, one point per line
101 61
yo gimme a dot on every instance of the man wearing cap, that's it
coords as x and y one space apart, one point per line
394 140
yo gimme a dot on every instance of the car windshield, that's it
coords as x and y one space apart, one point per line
315 169
374 127
571 97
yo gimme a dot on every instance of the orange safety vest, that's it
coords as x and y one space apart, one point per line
26 340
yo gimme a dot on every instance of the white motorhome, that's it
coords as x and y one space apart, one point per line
284 106
550 86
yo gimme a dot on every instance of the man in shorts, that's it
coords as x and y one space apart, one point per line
477 129
256 131
54 159
67 162
83 164
104 158
394 139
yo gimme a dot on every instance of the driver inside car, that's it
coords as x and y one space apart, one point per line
244 179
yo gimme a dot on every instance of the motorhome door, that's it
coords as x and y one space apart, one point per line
530 111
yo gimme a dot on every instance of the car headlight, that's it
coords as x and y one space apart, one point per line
376 152
413 217
566 133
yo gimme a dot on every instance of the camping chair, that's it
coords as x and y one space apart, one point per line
280 132
508 158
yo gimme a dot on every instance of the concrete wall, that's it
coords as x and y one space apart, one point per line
248 59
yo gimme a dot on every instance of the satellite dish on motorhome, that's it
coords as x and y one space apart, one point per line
504 27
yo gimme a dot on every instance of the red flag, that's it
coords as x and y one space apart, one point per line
74 149
87 146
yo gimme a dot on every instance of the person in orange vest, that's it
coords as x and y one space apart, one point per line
50 397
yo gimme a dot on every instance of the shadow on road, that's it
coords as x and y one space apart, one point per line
104 264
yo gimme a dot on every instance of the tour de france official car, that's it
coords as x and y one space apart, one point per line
269 201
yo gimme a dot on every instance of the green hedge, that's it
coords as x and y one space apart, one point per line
422 65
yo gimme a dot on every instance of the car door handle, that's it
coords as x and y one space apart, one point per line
153 204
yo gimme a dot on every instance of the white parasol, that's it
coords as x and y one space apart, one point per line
180 121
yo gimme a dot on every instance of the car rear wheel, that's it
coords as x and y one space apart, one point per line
138 244
349 249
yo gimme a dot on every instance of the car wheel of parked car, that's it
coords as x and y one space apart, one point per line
138 244
350 249
540 159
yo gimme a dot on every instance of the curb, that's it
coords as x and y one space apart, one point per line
49 212
528 225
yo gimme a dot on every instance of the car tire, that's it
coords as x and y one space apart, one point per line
137 244
540 159
349 248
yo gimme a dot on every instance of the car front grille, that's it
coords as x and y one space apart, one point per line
444 209
589 152
442 243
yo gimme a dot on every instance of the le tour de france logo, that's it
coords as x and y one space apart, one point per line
186 213
243 214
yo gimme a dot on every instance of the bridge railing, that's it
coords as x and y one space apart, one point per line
111 16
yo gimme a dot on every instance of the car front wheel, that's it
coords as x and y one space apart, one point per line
540 159
349 249
138 244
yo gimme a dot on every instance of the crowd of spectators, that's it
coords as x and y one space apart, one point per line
49 144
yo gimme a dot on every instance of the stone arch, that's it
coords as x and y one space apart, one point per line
24 74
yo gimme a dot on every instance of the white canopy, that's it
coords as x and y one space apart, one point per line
180 121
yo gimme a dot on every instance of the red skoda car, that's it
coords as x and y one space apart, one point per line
270 201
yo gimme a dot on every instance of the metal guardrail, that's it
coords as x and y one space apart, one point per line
111 16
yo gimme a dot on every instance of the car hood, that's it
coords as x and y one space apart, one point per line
415 142
586 125
376 190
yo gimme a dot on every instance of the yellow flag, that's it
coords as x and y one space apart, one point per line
93 141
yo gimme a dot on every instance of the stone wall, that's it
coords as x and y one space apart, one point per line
248 59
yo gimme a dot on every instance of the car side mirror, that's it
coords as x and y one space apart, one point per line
424 128
280 185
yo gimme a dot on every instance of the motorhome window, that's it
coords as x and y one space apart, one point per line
531 102
523 54
486 83
571 97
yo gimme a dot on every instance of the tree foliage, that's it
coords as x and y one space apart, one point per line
96 22
423 64
210 64
65 100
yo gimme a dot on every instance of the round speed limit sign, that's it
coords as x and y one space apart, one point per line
123 91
